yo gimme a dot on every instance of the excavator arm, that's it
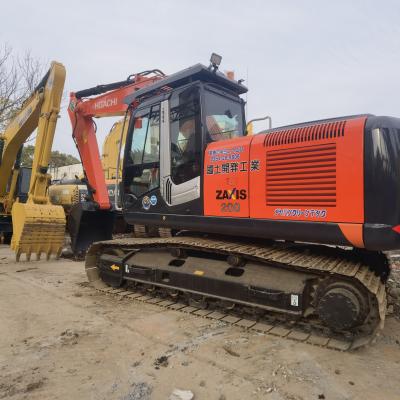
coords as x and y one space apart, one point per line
46 129
37 226
93 220
13 138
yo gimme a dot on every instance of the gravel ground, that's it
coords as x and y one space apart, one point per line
59 339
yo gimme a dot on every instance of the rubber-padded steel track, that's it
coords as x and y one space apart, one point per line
310 258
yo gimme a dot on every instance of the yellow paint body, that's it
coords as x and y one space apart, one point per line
65 195
38 226
111 147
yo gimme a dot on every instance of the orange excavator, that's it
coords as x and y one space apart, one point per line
291 221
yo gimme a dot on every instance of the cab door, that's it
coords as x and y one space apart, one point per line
181 143
141 173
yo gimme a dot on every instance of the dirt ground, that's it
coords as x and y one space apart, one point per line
59 339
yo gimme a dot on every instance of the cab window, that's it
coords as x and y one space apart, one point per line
223 117
143 163
185 131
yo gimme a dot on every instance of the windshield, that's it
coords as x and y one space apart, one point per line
224 119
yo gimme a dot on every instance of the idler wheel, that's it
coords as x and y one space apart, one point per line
342 306
113 278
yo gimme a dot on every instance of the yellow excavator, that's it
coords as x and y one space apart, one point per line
37 226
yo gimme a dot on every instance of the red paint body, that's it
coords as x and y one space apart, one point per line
310 173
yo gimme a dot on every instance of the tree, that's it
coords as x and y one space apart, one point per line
57 159
19 76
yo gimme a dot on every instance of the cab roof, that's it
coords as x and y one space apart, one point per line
197 72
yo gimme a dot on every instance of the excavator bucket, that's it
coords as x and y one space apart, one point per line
87 224
37 228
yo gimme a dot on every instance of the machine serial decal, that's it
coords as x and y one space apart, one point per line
294 300
234 194
25 117
233 167
298 212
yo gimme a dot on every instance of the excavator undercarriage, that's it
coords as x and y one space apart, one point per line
320 290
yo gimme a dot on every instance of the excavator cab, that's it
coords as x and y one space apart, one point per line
17 190
167 140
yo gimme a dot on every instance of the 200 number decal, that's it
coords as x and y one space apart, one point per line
230 207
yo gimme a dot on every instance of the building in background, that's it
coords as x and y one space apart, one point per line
66 172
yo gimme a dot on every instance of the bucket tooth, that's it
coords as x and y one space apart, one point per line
38 254
37 229
18 255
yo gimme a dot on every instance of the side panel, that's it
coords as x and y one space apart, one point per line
226 178
382 183
382 171
311 173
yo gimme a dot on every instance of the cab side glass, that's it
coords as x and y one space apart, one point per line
223 117
185 130
142 166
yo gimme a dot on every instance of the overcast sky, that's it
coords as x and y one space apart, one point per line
302 60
